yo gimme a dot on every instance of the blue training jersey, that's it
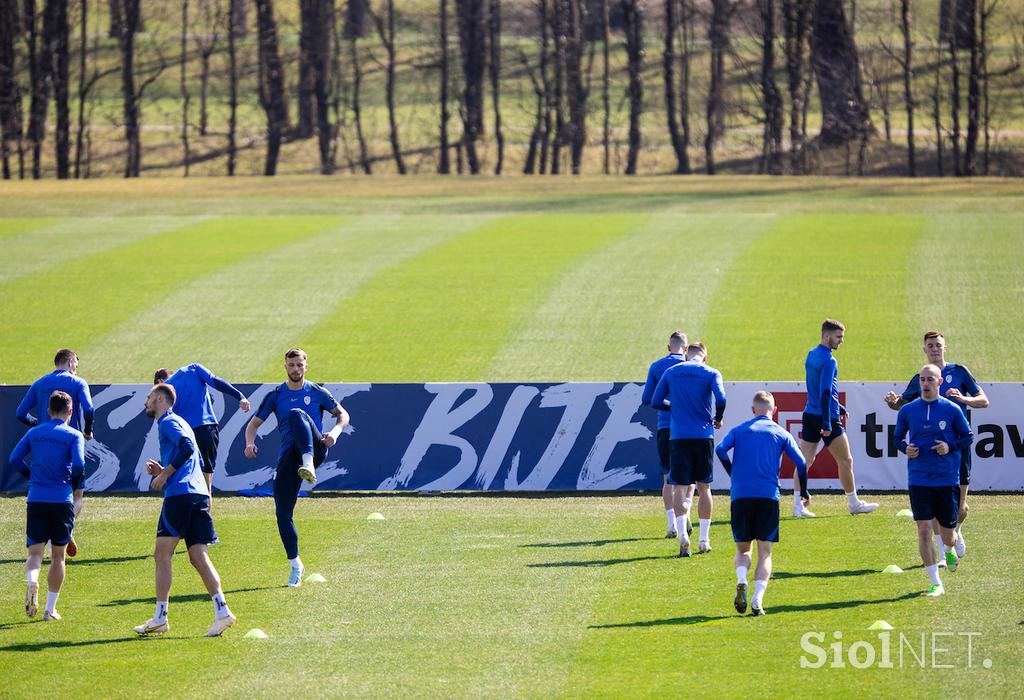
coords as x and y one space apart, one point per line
37 400
923 423
691 387
657 369
192 400
311 398
757 447
954 376
56 453
188 477
822 374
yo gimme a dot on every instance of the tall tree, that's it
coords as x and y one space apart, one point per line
238 18
10 97
576 91
272 96
718 41
907 63
322 63
954 102
233 35
973 91
386 31
668 60
206 43
132 91
771 98
606 85
39 81
494 34
844 112
472 47
444 166
634 58
183 85
308 18
796 25
57 33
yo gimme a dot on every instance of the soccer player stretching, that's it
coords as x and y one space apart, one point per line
960 387
671 496
757 447
57 455
696 406
298 406
930 431
191 386
821 419
185 513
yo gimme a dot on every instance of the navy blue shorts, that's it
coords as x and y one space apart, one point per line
755 519
187 516
690 461
49 522
663 458
810 431
939 502
207 440
965 466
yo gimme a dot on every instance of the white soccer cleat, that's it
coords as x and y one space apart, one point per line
863 507
152 627
308 474
32 599
703 547
960 547
802 512
51 615
935 591
220 624
295 578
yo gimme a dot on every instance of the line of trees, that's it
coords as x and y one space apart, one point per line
807 56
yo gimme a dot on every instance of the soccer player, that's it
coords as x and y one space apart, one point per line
691 387
298 405
757 447
64 378
671 496
930 431
191 385
57 455
185 513
960 387
821 419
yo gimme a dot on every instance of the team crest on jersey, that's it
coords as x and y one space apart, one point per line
306 400
949 379
942 425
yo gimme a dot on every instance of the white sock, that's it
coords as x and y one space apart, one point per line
32 575
759 588
220 606
946 548
741 574
798 503
851 496
705 529
938 543
933 574
161 611
307 461
670 515
681 526
51 600
296 563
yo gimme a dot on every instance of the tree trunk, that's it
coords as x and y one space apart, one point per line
718 39
558 97
844 112
357 20
472 46
233 87
796 20
770 95
606 87
357 109
114 30
494 28
386 30
955 18
908 84
545 78
954 104
308 20
239 18
10 121
985 11
272 96
444 166
937 112
39 78
83 53
668 62
57 35
973 94
634 57
128 23
183 83
576 91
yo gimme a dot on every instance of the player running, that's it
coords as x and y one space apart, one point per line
298 405
192 387
185 513
671 496
64 378
56 452
691 387
821 419
930 431
757 447
960 387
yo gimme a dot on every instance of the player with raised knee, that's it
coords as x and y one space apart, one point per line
674 498
822 419
931 430
757 447
55 469
696 403
299 406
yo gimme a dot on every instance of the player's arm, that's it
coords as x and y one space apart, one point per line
792 451
661 393
223 386
972 396
18 456
250 436
649 387
962 431
900 433
828 375
78 474
25 407
88 412
341 422
718 389
722 451
184 450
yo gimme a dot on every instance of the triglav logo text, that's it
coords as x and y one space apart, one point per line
893 650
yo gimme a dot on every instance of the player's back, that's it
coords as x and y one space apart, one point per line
654 375
61 380
692 389
192 398
758 446
56 451
820 373
187 478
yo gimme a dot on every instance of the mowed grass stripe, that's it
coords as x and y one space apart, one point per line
59 241
9 228
76 302
966 278
611 315
768 311
444 315
265 303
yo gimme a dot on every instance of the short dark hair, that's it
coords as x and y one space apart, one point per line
161 375
830 324
677 338
63 356
933 334
60 403
168 391
295 352
695 348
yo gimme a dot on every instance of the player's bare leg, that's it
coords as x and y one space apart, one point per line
209 486
840 450
800 508
33 563
704 508
742 563
961 546
198 555
668 498
761 576
163 556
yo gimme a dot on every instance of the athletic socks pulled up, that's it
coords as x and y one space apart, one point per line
705 529
51 601
759 588
670 516
220 605
161 611
741 574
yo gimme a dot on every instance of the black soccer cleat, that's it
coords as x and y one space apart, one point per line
741 598
689 526
684 550
671 534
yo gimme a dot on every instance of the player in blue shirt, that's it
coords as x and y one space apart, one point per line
757 447
930 431
696 404
960 387
192 387
671 496
185 512
55 472
822 419
64 378
298 406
